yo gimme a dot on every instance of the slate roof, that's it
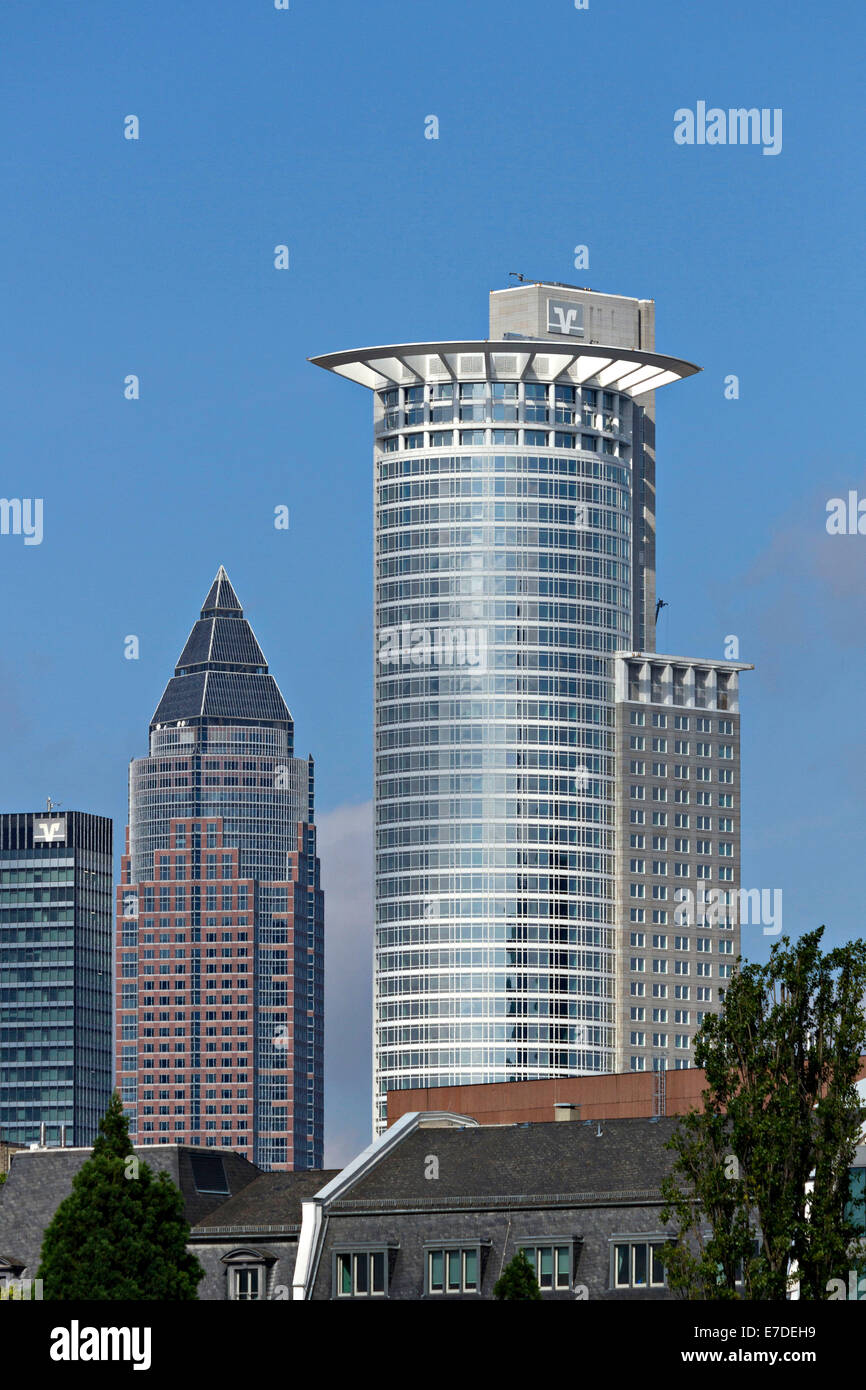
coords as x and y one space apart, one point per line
221 672
274 1199
559 1158
39 1180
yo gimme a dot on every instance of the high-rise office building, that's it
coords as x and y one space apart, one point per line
220 927
55 975
514 551
677 827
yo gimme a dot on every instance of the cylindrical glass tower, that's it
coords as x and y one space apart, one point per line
504 512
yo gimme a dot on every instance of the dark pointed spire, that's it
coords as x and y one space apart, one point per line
222 601
222 672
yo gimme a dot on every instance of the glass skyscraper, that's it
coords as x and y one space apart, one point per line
220 933
55 975
514 553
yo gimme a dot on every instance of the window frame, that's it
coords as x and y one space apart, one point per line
553 1244
353 1252
478 1248
633 1239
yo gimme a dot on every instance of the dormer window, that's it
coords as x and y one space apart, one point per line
247 1273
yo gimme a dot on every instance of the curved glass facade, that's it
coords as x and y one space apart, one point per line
502 587
243 774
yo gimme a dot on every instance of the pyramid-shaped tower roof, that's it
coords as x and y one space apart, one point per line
221 672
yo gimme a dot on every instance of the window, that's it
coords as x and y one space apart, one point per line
360 1273
636 1264
552 1265
453 1270
247 1273
247 1285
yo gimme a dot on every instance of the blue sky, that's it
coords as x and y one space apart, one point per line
306 127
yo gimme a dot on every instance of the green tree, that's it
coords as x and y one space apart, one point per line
122 1232
781 1115
517 1279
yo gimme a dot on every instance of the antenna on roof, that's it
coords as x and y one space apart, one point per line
517 275
660 604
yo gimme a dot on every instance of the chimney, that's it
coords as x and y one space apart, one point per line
63 1136
42 1135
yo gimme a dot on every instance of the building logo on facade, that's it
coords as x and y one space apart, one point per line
50 832
563 317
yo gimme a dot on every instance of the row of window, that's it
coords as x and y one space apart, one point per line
725 874
459 1269
413 396
637 966
680 721
702 750
704 993
725 775
481 438
681 943
681 846
681 819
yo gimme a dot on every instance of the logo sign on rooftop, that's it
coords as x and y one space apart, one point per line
566 318
50 831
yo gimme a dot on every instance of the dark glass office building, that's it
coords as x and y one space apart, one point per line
220 928
55 975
